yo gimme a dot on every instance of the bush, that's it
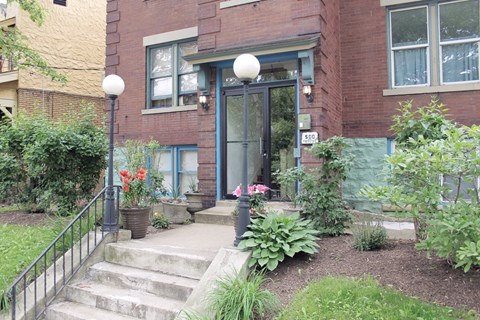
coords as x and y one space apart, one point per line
454 234
159 221
321 196
45 164
242 299
368 236
277 235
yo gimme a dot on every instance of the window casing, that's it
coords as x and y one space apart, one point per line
171 80
447 30
179 165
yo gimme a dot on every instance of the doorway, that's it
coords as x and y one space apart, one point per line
271 135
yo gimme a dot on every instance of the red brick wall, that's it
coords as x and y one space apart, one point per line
128 23
364 53
256 23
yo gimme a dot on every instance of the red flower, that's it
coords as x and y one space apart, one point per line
141 174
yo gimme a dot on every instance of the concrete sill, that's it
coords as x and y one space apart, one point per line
169 110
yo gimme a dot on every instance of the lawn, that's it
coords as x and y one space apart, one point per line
346 299
19 246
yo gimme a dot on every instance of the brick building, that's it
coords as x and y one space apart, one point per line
360 58
71 40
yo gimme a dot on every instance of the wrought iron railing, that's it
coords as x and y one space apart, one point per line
34 289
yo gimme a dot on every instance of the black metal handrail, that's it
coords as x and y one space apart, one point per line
62 256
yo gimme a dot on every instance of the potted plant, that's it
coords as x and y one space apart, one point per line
137 199
194 196
174 207
288 181
141 187
256 202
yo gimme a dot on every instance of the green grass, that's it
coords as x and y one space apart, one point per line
346 299
9 208
19 246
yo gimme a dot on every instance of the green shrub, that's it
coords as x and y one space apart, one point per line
454 235
159 221
277 235
347 299
368 236
52 164
321 196
238 298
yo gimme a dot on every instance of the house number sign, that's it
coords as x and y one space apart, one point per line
309 137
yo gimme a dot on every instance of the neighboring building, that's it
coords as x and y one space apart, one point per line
359 57
71 40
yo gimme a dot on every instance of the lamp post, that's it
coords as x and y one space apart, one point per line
113 86
246 68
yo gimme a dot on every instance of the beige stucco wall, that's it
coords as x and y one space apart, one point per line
71 37
8 90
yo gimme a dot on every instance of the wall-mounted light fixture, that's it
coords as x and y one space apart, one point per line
203 102
307 91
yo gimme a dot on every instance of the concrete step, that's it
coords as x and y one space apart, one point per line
76 311
133 303
221 215
164 285
185 262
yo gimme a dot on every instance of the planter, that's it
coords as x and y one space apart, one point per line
136 220
235 223
194 200
289 210
175 212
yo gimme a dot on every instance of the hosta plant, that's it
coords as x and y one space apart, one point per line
276 236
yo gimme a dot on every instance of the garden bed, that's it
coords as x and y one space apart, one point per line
400 266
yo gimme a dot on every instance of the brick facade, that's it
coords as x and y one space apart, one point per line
351 67
366 112
55 104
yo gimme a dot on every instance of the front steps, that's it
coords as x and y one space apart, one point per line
222 212
138 280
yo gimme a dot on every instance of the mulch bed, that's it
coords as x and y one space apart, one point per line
400 266
26 219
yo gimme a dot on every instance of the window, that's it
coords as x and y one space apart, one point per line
459 187
450 32
171 79
60 2
179 167
459 38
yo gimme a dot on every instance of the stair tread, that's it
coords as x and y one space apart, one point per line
83 311
198 254
144 274
130 295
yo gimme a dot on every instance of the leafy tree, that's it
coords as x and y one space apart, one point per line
432 148
13 43
51 164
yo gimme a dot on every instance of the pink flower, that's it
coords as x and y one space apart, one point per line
251 189
262 188
238 191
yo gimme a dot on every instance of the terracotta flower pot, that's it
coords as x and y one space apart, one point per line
136 220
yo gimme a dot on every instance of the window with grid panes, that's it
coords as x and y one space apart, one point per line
171 79
450 32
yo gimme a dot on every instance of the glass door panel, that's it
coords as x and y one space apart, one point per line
234 137
282 136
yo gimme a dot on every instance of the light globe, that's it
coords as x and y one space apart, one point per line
246 67
113 85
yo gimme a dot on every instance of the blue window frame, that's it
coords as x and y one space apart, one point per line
179 165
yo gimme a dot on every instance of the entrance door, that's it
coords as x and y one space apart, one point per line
271 135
